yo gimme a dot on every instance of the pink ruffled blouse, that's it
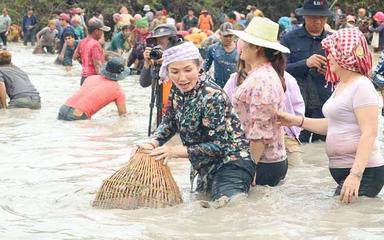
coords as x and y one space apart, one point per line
256 101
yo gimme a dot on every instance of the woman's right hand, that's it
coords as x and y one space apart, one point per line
146 146
287 119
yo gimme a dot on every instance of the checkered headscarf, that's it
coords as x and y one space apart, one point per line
182 52
350 49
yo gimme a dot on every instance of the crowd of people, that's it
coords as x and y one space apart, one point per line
274 86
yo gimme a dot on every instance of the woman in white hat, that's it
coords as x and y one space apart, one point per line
260 96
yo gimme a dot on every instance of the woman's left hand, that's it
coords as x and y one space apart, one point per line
162 153
350 189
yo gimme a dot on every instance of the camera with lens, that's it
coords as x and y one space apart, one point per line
156 53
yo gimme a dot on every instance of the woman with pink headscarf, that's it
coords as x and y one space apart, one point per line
379 18
351 117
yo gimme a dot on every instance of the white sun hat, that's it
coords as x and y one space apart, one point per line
262 32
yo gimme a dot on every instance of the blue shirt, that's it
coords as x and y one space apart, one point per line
225 62
29 21
302 46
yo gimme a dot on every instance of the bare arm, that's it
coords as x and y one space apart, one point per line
122 109
3 95
316 125
62 53
367 118
97 63
76 54
368 122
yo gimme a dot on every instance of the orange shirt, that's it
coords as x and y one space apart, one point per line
205 22
95 93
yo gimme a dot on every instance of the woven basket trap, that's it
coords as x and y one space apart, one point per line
142 182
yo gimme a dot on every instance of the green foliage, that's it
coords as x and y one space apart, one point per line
178 8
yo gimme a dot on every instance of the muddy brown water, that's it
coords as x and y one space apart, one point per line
50 172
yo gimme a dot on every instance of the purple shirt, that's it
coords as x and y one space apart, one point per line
294 102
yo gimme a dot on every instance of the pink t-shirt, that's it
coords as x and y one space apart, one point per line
256 101
89 50
343 129
95 93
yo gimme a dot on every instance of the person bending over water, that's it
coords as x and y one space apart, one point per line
210 132
97 92
15 83
351 118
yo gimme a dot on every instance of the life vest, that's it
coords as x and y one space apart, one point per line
167 85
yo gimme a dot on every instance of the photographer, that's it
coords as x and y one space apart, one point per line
164 36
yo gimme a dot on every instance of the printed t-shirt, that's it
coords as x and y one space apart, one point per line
89 50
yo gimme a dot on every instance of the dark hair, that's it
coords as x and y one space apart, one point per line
69 34
92 29
241 73
231 15
125 27
278 61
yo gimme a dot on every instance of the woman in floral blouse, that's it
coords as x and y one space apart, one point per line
210 132
260 96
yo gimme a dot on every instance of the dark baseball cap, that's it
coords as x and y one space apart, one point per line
96 23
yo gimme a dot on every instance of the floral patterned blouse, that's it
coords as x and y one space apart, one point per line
208 127
256 101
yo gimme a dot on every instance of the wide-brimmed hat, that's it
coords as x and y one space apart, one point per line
314 8
115 69
262 32
164 30
147 8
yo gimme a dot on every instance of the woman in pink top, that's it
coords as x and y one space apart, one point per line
351 118
260 96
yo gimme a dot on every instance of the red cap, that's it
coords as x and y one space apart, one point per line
64 16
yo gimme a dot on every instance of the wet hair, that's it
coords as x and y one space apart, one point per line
241 73
278 61
69 34
5 57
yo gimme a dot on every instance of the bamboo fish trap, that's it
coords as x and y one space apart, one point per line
142 182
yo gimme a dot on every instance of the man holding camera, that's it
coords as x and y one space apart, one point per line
163 37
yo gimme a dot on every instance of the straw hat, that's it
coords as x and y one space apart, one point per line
262 32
